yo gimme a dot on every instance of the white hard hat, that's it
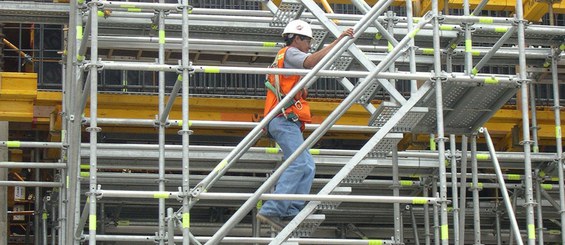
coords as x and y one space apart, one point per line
299 27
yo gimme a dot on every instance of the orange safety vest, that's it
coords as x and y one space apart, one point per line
286 82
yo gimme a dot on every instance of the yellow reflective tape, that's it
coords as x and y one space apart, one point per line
406 182
558 132
44 216
491 80
468 45
419 200
479 185
185 220
63 135
562 46
428 51
554 178
127 6
483 156
535 149
92 222
212 69
486 20
161 195
84 166
13 144
80 57
100 14
68 182
453 45
80 1
414 32
390 47
531 231
432 144
546 64
514 177
179 123
271 150
547 186
416 19
123 222
179 78
444 232
378 36
280 56
79 32
554 232
446 28
315 151
449 209
259 204
84 174
269 44
415 175
501 29
474 71
161 36
375 242
134 10
220 166
541 174
475 52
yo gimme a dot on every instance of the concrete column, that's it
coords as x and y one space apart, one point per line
3 189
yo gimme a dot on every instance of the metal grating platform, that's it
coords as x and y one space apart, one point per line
341 63
334 204
465 108
358 174
288 10
309 225
369 93
319 36
385 146
387 109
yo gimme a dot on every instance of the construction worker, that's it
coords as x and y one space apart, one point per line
286 128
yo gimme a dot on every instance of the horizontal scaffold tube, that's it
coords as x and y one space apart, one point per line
30 183
240 240
32 165
481 156
500 80
136 6
298 197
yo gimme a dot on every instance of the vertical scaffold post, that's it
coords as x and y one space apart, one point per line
475 188
396 192
185 132
454 196
463 190
440 131
161 140
93 129
426 189
529 200
558 140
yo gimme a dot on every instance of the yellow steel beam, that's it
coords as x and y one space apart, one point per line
535 9
17 94
499 5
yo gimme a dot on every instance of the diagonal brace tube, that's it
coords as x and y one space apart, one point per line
493 50
503 190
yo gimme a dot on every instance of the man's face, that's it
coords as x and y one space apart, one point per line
303 43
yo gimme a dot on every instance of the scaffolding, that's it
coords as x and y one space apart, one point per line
358 186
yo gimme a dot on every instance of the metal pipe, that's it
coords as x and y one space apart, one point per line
468 39
261 240
176 88
170 227
82 222
531 228
396 193
44 222
463 190
414 225
4 153
534 128
93 129
137 6
539 214
503 191
479 8
426 215
363 7
161 135
550 200
454 195
558 140
30 183
497 220
475 188
514 203
298 197
32 165
491 52
185 132
437 239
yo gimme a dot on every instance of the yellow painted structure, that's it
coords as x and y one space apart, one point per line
18 92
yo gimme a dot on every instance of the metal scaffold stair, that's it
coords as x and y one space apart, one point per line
288 10
409 121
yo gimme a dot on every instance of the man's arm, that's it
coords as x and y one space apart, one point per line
314 58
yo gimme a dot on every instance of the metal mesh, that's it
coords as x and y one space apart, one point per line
386 110
319 36
288 10
369 93
331 205
358 174
384 147
309 225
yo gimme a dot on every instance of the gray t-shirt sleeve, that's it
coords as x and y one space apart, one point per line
294 58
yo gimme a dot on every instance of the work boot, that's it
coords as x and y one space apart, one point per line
273 221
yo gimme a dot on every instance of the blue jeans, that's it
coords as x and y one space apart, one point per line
298 177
